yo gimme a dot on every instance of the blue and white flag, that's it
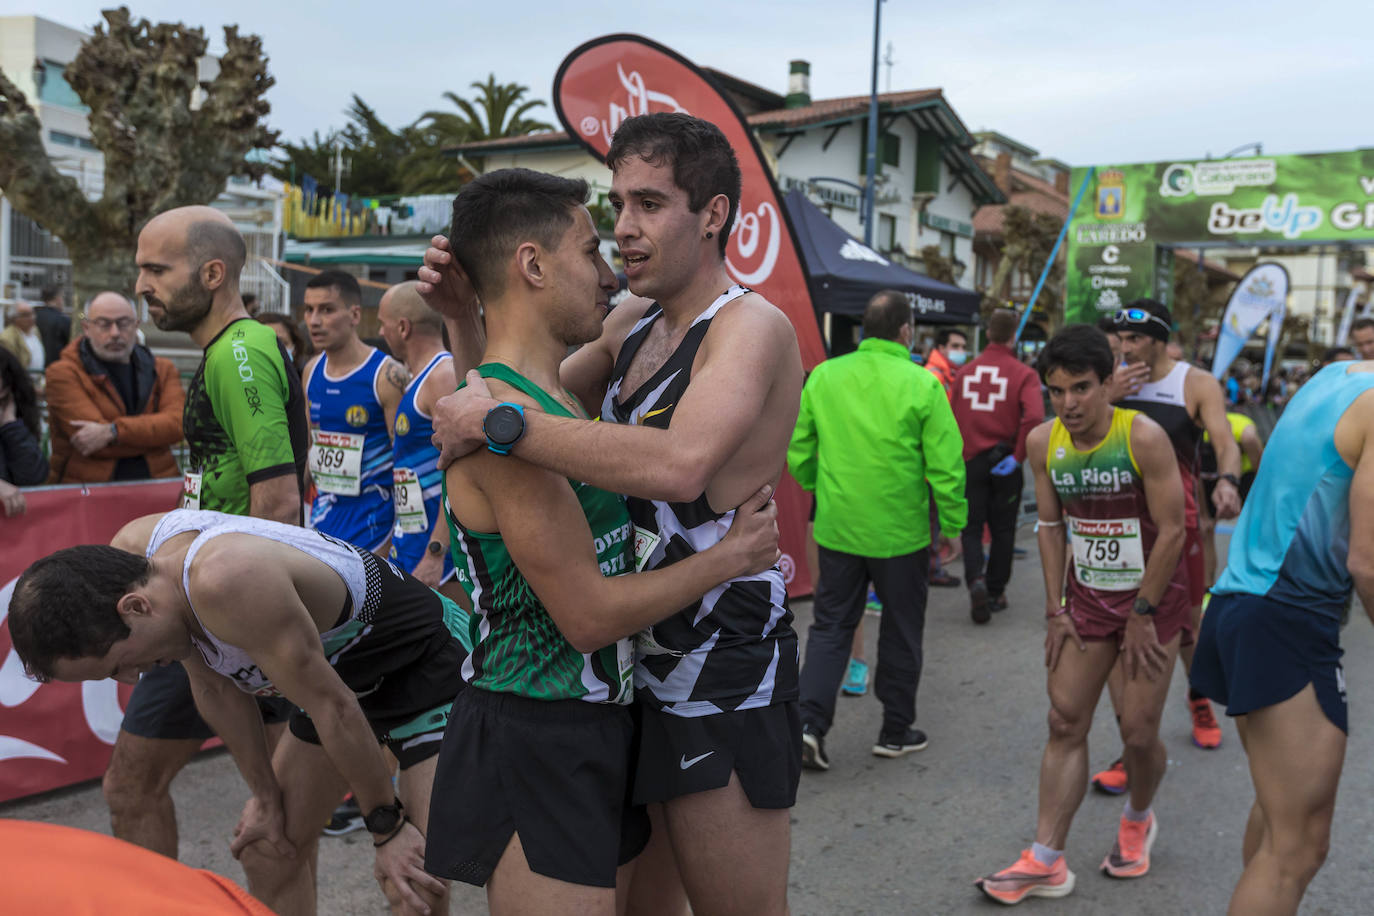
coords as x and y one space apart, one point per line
1262 293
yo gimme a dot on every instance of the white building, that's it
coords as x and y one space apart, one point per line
34 54
928 183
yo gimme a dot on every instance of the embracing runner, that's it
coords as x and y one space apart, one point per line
697 385
533 778
354 390
1109 479
257 608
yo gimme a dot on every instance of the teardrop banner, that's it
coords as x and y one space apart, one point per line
615 77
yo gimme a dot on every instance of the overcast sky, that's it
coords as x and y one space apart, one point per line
1082 82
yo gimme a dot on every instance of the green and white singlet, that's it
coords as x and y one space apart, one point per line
517 648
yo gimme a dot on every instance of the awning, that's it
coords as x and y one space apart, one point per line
844 273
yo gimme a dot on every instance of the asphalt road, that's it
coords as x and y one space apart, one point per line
909 836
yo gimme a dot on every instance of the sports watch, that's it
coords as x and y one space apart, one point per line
384 819
504 425
1232 479
435 548
1144 607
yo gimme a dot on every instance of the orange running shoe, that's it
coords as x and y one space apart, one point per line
1112 780
1028 878
1206 731
1130 855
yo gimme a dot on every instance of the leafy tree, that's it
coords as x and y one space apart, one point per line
140 82
937 266
1027 240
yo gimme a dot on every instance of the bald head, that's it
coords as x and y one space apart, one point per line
111 327
189 261
206 234
111 305
405 320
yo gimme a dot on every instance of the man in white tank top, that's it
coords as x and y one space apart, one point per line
257 608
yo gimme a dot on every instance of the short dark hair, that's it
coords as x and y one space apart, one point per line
501 210
249 299
1107 324
885 314
1002 325
944 334
702 160
1335 353
66 605
49 293
1359 324
1077 348
214 240
15 376
347 285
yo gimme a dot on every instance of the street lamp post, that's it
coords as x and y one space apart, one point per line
871 160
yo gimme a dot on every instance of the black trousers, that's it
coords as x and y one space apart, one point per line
839 606
996 502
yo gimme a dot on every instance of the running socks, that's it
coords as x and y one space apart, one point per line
1138 817
1044 855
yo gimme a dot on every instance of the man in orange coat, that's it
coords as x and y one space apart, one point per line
114 408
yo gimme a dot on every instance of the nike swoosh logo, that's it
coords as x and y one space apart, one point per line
654 413
685 763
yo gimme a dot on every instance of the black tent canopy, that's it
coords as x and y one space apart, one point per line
843 273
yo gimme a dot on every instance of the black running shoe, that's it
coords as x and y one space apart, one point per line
978 601
347 818
913 739
997 603
813 751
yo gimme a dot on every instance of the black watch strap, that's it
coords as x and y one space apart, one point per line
1144 607
384 819
1232 479
435 547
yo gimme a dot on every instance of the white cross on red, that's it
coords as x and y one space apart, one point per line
984 388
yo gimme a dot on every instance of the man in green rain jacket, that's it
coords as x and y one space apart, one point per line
873 430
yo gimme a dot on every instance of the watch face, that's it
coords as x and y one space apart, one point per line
383 819
504 425
436 548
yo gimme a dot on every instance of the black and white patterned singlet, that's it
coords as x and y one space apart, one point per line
735 649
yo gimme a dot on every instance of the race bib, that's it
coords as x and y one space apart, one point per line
410 501
336 462
1107 553
190 490
645 542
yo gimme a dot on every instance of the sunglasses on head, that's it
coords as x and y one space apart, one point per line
1140 316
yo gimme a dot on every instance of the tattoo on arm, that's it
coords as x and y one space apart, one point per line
397 375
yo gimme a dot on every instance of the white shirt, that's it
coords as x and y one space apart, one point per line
36 352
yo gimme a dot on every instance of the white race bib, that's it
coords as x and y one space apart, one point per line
410 501
190 490
336 462
1108 554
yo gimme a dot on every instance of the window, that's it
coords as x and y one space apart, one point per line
58 137
947 244
887 233
53 87
889 148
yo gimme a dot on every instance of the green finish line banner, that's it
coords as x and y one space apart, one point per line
1131 210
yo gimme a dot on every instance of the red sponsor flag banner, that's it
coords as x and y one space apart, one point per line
615 77
54 735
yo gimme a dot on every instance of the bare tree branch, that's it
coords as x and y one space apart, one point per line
29 178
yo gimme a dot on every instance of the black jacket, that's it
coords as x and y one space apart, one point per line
56 330
21 459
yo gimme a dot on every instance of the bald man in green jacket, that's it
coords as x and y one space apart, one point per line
874 429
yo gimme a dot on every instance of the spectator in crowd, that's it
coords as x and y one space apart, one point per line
874 430
949 353
1336 355
22 337
21 458
114 408
997 403
289 332
1362 336
250 304
53 323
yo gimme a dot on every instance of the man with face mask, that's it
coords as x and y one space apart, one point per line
245 424
873 431
949 353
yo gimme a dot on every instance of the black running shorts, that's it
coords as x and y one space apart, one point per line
1253 652
162 706
554 771
681 756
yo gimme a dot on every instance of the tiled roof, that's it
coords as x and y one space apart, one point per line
1029 191
550 138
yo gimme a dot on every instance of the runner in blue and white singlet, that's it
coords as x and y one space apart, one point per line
350 453
417 481
735 649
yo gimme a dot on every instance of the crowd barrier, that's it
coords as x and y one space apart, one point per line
54 735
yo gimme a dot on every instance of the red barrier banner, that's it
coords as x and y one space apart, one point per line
54 735
615 77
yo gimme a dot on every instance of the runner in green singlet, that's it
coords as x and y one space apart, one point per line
530 796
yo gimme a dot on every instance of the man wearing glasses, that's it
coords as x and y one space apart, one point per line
114 408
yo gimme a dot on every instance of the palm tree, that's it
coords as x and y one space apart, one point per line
498 112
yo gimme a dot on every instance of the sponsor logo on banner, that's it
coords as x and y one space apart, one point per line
1111 194
1216 178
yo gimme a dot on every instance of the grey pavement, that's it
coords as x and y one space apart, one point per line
909 836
